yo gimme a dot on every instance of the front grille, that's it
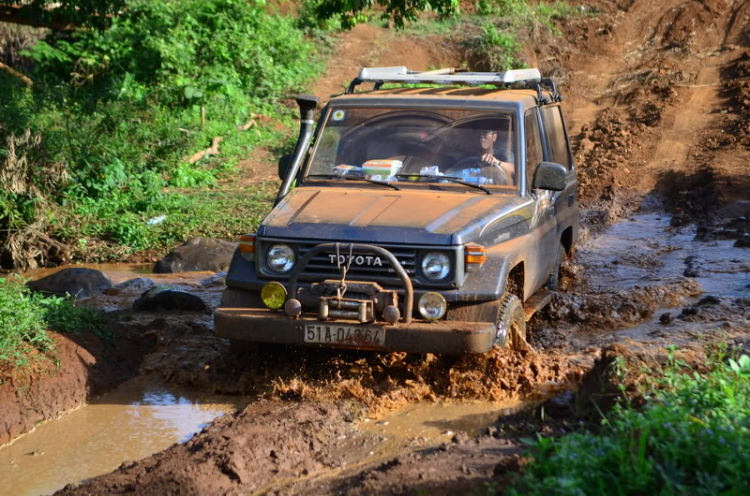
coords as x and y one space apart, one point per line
364 264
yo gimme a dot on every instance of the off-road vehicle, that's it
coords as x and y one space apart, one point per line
421 219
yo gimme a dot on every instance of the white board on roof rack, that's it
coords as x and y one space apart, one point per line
446 76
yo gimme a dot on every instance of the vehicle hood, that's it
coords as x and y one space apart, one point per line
417 216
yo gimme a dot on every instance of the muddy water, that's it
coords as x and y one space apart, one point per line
647 250
117 273
434 423
138 419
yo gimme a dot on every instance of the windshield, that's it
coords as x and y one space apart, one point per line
399 145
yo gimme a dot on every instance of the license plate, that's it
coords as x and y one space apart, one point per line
341 334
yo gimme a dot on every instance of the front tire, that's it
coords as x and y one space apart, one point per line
511 323
507 314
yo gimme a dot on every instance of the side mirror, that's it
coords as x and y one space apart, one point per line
550 176
284 163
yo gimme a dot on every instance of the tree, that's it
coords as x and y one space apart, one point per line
397 10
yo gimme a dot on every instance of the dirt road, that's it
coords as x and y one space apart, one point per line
658 103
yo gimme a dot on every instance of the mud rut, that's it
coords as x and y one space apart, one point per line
658 105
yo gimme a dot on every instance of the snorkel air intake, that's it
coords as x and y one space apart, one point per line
307 105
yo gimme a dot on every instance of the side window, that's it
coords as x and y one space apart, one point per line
555 131
533 146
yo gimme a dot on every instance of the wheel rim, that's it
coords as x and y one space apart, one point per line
501 336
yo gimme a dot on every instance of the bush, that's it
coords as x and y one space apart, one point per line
118 109
26 316
22 324
692 437
497 50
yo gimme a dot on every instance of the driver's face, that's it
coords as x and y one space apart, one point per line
487 139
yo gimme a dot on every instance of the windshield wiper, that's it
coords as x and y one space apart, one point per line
356 178
447 178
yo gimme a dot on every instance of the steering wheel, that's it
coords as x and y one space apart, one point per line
463 163
501 176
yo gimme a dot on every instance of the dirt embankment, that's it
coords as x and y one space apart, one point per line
656 106
83 366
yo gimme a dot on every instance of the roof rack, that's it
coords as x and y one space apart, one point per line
531 78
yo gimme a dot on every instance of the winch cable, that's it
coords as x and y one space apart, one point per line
343 268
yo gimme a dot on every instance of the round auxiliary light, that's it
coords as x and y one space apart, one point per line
432 306
436 266
293 308
391 314
273 295
281 258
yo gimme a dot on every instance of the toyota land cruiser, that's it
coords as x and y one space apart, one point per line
429 216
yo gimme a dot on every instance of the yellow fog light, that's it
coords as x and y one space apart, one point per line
273 295
432 306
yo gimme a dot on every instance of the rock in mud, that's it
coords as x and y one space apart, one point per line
197 254
214 280
666 318
166 298
562 405
77 282
137 284
604 310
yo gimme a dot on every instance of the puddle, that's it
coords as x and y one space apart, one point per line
119 272
435 423
116 272
647 250
137 419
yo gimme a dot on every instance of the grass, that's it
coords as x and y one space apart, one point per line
691 437
25 318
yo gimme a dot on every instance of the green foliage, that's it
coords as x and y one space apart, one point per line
496 50
62 315
352 12
692 437
504 8
80 12
22 324
118 109
26 316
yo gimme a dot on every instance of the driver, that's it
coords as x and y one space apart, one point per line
483 164
502 173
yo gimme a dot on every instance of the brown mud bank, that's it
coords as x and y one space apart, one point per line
320 447
83 366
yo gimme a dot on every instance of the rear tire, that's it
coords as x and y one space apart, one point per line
556 280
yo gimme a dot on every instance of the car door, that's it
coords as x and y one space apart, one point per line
543 222
557 149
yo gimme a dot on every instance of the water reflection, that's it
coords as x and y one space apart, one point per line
130 423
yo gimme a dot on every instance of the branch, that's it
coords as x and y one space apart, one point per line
247 125
17 74
212 150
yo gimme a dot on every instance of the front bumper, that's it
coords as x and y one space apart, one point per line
265 326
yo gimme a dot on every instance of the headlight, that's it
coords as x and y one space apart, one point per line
281 258
436 266
432 306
